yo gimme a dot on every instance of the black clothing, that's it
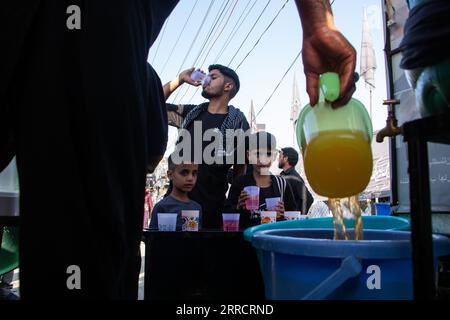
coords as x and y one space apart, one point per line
209 121
426 30
86 112
291 172
270 192
212 183
303 197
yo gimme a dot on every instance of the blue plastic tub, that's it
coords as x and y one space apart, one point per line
308 264
383 209
369 222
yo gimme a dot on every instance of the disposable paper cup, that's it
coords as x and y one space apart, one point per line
271 203
191 220
252 203
230 221
293 215
167 221
268 217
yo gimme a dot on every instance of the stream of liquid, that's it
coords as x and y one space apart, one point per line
340 230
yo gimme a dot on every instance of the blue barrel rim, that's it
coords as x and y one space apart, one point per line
268 240
402 223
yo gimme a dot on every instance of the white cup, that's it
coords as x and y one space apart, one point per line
167 221
191 220
268 217
271 203
293 215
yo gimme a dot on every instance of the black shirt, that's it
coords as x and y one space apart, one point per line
270 192
302 195
208 121
211 184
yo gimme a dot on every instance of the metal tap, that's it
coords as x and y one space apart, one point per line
391 129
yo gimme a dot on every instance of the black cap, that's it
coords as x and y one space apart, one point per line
291 154
227 72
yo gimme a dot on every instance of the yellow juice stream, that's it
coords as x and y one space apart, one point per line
338 163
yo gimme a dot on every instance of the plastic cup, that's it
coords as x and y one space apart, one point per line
293 215
198 75
191 219
230 221
335 143
252 203
167 221
271 203
268 217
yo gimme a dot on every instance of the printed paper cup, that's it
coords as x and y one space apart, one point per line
191 220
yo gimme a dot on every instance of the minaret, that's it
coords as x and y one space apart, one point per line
368 60
252 119
295 107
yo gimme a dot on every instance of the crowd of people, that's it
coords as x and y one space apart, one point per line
195 183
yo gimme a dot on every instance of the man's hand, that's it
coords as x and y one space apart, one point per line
185 77
241 201
280 210
327 50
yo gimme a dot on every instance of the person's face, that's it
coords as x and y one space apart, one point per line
184 176
262 158
282 160
216 86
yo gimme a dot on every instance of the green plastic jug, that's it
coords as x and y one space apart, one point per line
335 143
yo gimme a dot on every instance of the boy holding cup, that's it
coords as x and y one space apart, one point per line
261 154
183 177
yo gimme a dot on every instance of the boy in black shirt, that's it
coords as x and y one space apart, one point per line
261 154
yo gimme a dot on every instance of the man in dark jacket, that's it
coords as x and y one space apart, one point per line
287 160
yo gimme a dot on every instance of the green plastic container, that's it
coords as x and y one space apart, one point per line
322 117
335 143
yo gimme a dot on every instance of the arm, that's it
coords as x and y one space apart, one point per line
154 217
240 169
157 135
183 77
177 113
325 49
309 199
290 204
232 202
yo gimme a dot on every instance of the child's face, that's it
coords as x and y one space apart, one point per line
184 176
262 158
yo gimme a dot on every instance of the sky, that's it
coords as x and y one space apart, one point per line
265 66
